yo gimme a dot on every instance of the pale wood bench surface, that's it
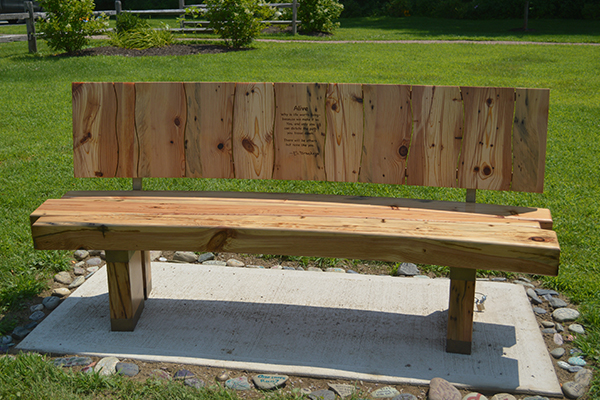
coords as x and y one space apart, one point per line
461 137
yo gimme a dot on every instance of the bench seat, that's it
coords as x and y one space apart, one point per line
477 236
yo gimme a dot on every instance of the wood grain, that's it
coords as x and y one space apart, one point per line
486 156
94 136
125 129
300 131
460 311
253 118
387 132
209 129
343 143
529 139
160 118
125 292
437 136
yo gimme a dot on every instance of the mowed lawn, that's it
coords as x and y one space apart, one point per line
36 150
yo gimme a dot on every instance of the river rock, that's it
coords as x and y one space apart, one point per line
323 394
7 339
441 389
405 396
240 383
385 392
548 324
61 292
555 302
78 271
474 396
549 331
63 277
51 302
106 366
574 390
543 292
94 261
563 365
127 369
315 269
194 382
80 280
565 314
80 254
223 376
577 361
269 382
336 269
205 257
20 332
72 361
232 262
215 262
36 316
539 310
342 390
504 396
407 269
533 296
576 328
183 374
558 352
185 256
160 375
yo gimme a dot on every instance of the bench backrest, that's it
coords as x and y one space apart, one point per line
466 137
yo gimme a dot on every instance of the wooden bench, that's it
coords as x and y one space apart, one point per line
458 137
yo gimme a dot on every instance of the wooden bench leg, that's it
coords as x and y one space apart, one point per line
460 310
126 282
147 273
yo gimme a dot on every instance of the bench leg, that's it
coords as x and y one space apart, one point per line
147 273
126 281
460 310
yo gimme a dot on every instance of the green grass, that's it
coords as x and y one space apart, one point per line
36 151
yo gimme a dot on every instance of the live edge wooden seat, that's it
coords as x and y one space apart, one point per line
460 137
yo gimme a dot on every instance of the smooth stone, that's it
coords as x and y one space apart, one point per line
98 253
162 259
63 277
342 270
576 328
94 261
194 382
6 340
385 392
232 262
555 302
37 307
127 369
255 266
408 269
81 254
569 338
160 374
577 361
155 255
547 297
565 314
574 390
351 271
575 368
584 377
563 365
421 277
559 327
92 269
322 394
87 370
36 316
548 324
550 331
300 269
315 269
289 268
78 271
205 257
20 332
441 389
498 279
61 292
405 396
504 396
106 366
575 350
222 377
474 396
80 280
269 382
79 264
72 361
527 285
31 325
533 296
522 278
277 267
538 310
543 292
558 352
183 374
185 256
215 262
342 390
535 398
240 383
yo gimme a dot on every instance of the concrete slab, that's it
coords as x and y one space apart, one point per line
349 326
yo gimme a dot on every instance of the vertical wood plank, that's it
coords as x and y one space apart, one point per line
125 290
253 118
437 134
94 137
486 155
529 139
160 118
343 143
460 310
299 134
125 126
146 273
387 132
209 129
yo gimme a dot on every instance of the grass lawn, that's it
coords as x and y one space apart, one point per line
36 152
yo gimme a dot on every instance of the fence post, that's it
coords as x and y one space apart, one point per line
31 39
294 17
118 7
182 7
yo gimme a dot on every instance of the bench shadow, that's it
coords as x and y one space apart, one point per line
300 340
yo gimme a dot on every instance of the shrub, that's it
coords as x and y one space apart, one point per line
318 15
237 22
141 38
128 22
68 23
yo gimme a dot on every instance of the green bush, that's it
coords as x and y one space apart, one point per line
133 32
68 23
128 22
237 22
318 15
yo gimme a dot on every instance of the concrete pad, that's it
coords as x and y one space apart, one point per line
350 326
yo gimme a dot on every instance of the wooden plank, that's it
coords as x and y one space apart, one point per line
460 310
146 273
343 143
94 139
253 118
209 129
160 118
125 129
437 135
387 131
125 292
300 131
529 139
485 161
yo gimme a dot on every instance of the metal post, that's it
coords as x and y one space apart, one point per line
182 7
31 40
294 17
137 184
118 7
